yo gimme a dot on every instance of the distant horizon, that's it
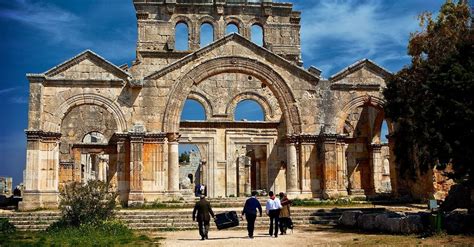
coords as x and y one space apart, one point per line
40 34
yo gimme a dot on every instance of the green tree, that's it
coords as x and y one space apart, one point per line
431 100
184 157
90 203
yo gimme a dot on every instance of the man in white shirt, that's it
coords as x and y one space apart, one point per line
273 207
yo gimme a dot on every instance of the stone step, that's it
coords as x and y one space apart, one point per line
180 219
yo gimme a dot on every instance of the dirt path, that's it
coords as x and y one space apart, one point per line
311 236
238 238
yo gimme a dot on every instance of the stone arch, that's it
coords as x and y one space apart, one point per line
211 21
191 29
268 111
258 22
378 127
204 101
353 104
238 22
233 64
87 99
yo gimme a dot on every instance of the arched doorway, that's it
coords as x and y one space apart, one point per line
239 79
369 165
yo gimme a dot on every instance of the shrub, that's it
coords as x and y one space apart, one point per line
90 203
6 227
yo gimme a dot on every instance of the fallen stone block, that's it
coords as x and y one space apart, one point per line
367 222
349 218
411 224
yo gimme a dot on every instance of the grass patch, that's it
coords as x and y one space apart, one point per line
109 233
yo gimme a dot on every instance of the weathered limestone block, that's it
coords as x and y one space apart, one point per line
367 222
349 218
389 222
411 224
459 221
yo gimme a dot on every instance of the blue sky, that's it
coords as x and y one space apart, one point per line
39 34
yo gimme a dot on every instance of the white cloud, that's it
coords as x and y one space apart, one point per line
58 24
19 100
7 90
336 33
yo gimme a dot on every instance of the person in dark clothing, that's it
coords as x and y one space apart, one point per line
201 213
250 212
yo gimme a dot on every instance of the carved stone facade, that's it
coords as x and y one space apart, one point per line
319 138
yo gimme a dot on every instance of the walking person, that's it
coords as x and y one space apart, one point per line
285 213
273 207
250 212
201 213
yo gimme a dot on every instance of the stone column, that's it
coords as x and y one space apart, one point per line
123 171
77 169
136 168
376 167
203 172
291 167
173 164
393 167
329 163
42 171
341 168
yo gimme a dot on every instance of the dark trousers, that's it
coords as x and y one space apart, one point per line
284 223
203 228
274 220
250 223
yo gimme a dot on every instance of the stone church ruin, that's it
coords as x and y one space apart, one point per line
320 138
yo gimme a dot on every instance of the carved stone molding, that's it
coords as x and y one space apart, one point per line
173 137
39 135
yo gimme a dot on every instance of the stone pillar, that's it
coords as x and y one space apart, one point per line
393 167
42 171
136 168
376 167
203 172
329 163
77 168
123 171
341 168
291 167
173 164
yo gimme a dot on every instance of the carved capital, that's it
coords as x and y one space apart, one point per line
120 137
376 147
173 137
137 137
308 138
155 138
292 139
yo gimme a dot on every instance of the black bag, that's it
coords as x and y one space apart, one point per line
290 224
226 220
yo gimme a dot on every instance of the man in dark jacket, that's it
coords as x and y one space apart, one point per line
250 211
201 213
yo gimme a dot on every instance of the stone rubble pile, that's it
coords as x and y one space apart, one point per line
455 222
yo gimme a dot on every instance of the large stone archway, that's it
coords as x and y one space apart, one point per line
234 64
86 99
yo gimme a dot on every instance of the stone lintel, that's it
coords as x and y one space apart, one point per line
139 137
356 87
84 83
39 135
